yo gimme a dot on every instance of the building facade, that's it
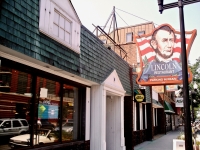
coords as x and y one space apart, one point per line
60 87
157 114
125 37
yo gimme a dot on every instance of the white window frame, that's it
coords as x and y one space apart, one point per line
129 37
154 117
141 33
62 28
141 116
46 23
134 117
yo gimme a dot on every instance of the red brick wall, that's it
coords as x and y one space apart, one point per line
14 81
11 100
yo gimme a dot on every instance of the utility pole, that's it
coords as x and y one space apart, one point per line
187 127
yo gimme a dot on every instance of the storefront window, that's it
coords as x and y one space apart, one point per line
47 115
15 97
70 113
34 109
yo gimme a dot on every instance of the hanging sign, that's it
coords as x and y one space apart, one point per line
160 56
158 89
179 102
139 95
171 87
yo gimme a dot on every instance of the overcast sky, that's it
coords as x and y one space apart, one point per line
97 12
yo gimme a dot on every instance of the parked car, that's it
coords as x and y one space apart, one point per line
67 126
13 126
42 136
45 124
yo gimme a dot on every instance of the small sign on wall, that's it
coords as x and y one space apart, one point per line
178 144
158 89
171 87
43 92
139 95
179 102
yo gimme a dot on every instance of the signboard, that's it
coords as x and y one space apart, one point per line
179 102
171 87
154 95
158 89
160 56
47 110
43 92
139 95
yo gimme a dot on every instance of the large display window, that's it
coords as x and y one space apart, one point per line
69 113
37 108
15 97
47 115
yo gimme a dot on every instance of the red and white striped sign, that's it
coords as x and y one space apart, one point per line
147 51
147 55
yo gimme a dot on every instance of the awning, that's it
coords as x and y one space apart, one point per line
168 107
156 104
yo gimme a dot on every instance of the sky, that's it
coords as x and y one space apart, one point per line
97 12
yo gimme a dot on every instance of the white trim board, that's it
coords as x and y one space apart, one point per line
29 61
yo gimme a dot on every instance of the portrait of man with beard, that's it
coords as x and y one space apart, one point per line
162 42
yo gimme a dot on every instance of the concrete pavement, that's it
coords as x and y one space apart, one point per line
164 142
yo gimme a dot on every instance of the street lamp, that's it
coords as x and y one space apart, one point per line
187 127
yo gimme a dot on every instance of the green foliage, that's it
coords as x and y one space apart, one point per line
181 136
145 61
66 136
197 142
195 69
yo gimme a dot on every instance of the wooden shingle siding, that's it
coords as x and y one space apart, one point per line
98 61
19 31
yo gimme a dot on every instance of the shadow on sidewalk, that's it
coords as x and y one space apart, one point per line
161 141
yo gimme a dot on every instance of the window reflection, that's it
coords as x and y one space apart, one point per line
70 113
47 111
15 103
15 96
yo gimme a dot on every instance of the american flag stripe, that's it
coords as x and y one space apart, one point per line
150 56
144 46
187 36
177 49
176 54
143 41
179 40
146 51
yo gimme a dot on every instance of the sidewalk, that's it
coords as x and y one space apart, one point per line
164 142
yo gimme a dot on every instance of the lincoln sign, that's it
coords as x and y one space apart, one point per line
160 56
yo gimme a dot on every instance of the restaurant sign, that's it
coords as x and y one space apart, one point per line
139 95
160 56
